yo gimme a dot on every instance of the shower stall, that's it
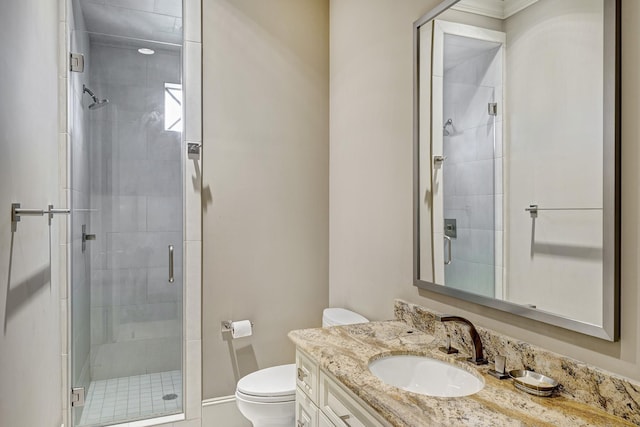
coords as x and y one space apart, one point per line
126 196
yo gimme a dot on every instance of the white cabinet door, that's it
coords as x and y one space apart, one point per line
306 410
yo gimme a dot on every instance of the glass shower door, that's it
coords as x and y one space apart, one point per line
472 202
127 231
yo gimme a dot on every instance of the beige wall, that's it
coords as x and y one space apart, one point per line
371 181
30 344
371 165
265 179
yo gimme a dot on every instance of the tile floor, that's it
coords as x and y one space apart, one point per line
122 399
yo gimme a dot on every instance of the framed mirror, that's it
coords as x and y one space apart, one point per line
517 158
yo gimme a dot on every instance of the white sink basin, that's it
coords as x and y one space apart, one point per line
425 375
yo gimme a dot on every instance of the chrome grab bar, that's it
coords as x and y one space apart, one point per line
448 239
171 278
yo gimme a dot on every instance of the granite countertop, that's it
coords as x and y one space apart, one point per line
345 353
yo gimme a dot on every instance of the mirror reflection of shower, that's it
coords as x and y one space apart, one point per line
471 93
97 103
448 128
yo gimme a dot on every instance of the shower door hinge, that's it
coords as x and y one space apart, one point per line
86 237
493 108
193 148
77 396
76 62
450 227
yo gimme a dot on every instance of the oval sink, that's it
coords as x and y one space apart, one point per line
424 375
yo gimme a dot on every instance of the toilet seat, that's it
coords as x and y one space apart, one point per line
265 399
269 385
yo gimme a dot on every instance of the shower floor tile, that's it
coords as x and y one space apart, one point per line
123 399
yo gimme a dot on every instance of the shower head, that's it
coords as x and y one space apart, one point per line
447 125
97 103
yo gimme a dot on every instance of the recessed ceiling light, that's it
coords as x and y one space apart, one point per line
145 51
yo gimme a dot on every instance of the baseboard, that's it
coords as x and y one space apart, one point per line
222 411
219 401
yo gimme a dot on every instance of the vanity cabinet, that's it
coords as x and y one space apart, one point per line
323 402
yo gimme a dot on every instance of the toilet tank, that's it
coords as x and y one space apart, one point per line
341 316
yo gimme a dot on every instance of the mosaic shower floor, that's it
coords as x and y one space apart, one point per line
124 399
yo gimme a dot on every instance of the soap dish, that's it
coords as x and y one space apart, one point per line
533 382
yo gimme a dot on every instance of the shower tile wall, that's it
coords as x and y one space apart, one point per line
473 171
137 200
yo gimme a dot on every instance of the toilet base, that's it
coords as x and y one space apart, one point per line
281 414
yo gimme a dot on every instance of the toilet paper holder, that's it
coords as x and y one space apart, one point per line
226 325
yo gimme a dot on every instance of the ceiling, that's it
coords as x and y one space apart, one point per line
459 49
152 20
500 9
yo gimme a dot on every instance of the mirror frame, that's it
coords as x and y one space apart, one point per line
610 329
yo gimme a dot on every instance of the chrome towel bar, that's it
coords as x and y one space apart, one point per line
17 212
533 209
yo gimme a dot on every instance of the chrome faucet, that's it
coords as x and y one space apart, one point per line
478 359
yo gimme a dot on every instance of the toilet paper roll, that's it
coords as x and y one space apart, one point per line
241 328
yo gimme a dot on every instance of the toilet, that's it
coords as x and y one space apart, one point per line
267 397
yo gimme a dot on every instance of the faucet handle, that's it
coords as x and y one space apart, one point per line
448 349
499 365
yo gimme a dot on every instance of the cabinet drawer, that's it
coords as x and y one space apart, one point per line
307 375
342 409
306 410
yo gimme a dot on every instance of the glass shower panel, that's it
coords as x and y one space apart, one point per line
127 319
471 93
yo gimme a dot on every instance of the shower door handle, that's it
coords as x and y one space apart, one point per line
171 278
450 258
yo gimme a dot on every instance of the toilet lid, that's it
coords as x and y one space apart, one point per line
340 316
274 381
